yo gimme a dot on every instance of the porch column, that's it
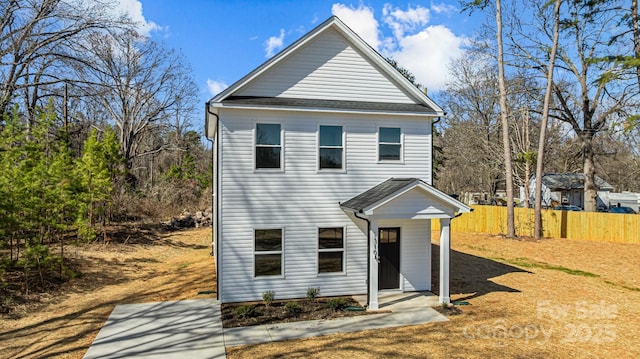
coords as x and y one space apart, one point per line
445 247
373 268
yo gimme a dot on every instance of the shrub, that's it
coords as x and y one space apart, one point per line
267 298
337 304
292 307
244 311
313 293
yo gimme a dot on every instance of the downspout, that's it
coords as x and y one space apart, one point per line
215 158
368 253
433 155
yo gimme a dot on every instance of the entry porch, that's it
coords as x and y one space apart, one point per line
385 208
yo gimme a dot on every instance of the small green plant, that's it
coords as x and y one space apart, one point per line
244 311
292 307
267 298
313 293
337 304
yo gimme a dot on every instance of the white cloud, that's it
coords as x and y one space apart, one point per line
361 20
215 87
443 8
422 48
133 9
402 21
428 53
274 43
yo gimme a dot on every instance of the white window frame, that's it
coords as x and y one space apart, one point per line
343 147
325 250
281 252
255 146
401 143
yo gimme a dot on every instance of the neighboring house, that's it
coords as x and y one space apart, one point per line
566 189
322 176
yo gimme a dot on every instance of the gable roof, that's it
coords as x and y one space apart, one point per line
392 188
416 101
571 181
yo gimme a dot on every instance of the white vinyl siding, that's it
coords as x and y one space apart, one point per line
300 200
329 70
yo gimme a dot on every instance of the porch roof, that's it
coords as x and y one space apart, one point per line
431 203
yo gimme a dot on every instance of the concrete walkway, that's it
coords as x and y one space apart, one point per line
180 329
193 328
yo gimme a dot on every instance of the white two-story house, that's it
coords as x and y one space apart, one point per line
322 176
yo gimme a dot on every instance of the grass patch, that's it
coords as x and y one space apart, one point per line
634 289
527 263
184 265
480 249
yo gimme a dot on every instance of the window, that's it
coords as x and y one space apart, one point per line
389 144
268 146
331 150
330 250
268 252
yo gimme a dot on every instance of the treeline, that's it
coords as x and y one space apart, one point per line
594 97
95 128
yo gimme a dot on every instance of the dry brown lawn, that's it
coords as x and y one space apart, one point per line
553 298
161 267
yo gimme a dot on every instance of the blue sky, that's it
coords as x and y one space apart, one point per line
224 40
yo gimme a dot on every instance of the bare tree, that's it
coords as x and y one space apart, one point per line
524 154
589 91
504 116
543 123
140 85
471 140
37 38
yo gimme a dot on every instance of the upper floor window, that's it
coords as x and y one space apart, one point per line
268 252
268 145
389 144
330 250
331 150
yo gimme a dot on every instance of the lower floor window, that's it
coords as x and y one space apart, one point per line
330 250
268 252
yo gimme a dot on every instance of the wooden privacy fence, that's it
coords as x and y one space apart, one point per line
590 226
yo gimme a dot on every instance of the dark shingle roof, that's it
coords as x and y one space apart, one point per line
376 194
571 181
330 104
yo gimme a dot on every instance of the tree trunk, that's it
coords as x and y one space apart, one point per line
636 35
508 166
527 160
543 125
590 189
527 175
